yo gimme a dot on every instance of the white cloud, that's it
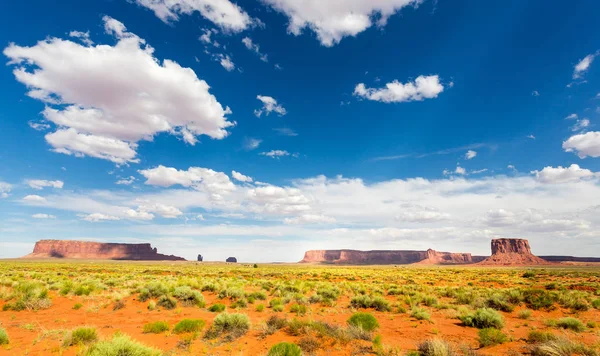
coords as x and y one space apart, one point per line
587 144
223 13
420 214
535 93
512 167
285 131
571 117
83 36
205 37
5 189
126 181
470 154
240 177
531 137
424 87
251 143
275 153
247 41
41 184
163 210
551 175
580 125
34 198
583 65
225 62
38 126
43 216
309 219
278 200
269 105
334 20
111 97
215 183
96 217
460 170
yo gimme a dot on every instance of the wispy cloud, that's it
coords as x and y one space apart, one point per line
435 153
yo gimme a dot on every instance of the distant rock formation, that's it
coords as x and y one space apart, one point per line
98 250
571 259
512 252
200 258
388 257
231 260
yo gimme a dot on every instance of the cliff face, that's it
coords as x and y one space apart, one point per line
98 250
385 257
511 252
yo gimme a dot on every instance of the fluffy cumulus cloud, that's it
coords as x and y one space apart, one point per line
34 198
223 13
583 65
278 200
585 144
41 184
269 105
334 20
43 216
573 173
5 189
240 177
111 97
470 154
166 211
424 87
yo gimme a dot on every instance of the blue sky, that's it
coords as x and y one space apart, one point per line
389 124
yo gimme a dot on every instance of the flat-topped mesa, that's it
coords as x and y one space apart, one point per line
383 257
98 250
509 252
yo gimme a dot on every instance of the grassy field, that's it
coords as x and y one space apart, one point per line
135 308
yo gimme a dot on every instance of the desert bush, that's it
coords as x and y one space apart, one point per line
574 300
231 293
435 347
153 290
121 345
483 318
299 309
364 301
285 349
571 324
357 333
167 302
240 303
529 274
276 322
524 314
119 304
540 336
28 295
258 295
419 314
189 297
491 336
363 321
429 301
188 326
217 308
151 305
561 347
230 326
4 339
499 302
84 335
156 327
596 303
537 299
260 307
77 306
309 344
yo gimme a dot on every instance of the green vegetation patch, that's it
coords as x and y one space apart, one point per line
156 327
363 321
285 349
189 326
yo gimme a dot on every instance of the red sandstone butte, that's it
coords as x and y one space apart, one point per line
512 252
98 250
387 257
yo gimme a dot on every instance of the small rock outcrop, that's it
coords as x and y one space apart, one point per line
200 258
383 257
231 260
98 250
512 252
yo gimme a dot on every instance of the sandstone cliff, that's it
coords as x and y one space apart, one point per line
98 250
512 252
386 257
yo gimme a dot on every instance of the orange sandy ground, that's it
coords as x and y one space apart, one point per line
29 331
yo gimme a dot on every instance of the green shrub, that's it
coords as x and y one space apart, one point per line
535 337
537 299
188 326
524 314
420 314
153 290
483 318
151 305
189 297
499 302
217 308
529 274
491 336
77 306
78 336
121 346
230 325
167 302
364 301
430 301
380 304
435 347
299 309
240 303
561 347
571 324
278 308
4 340
285 349
596 303
156 328
363 321
260 307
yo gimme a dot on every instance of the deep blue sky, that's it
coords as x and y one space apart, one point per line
505 66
